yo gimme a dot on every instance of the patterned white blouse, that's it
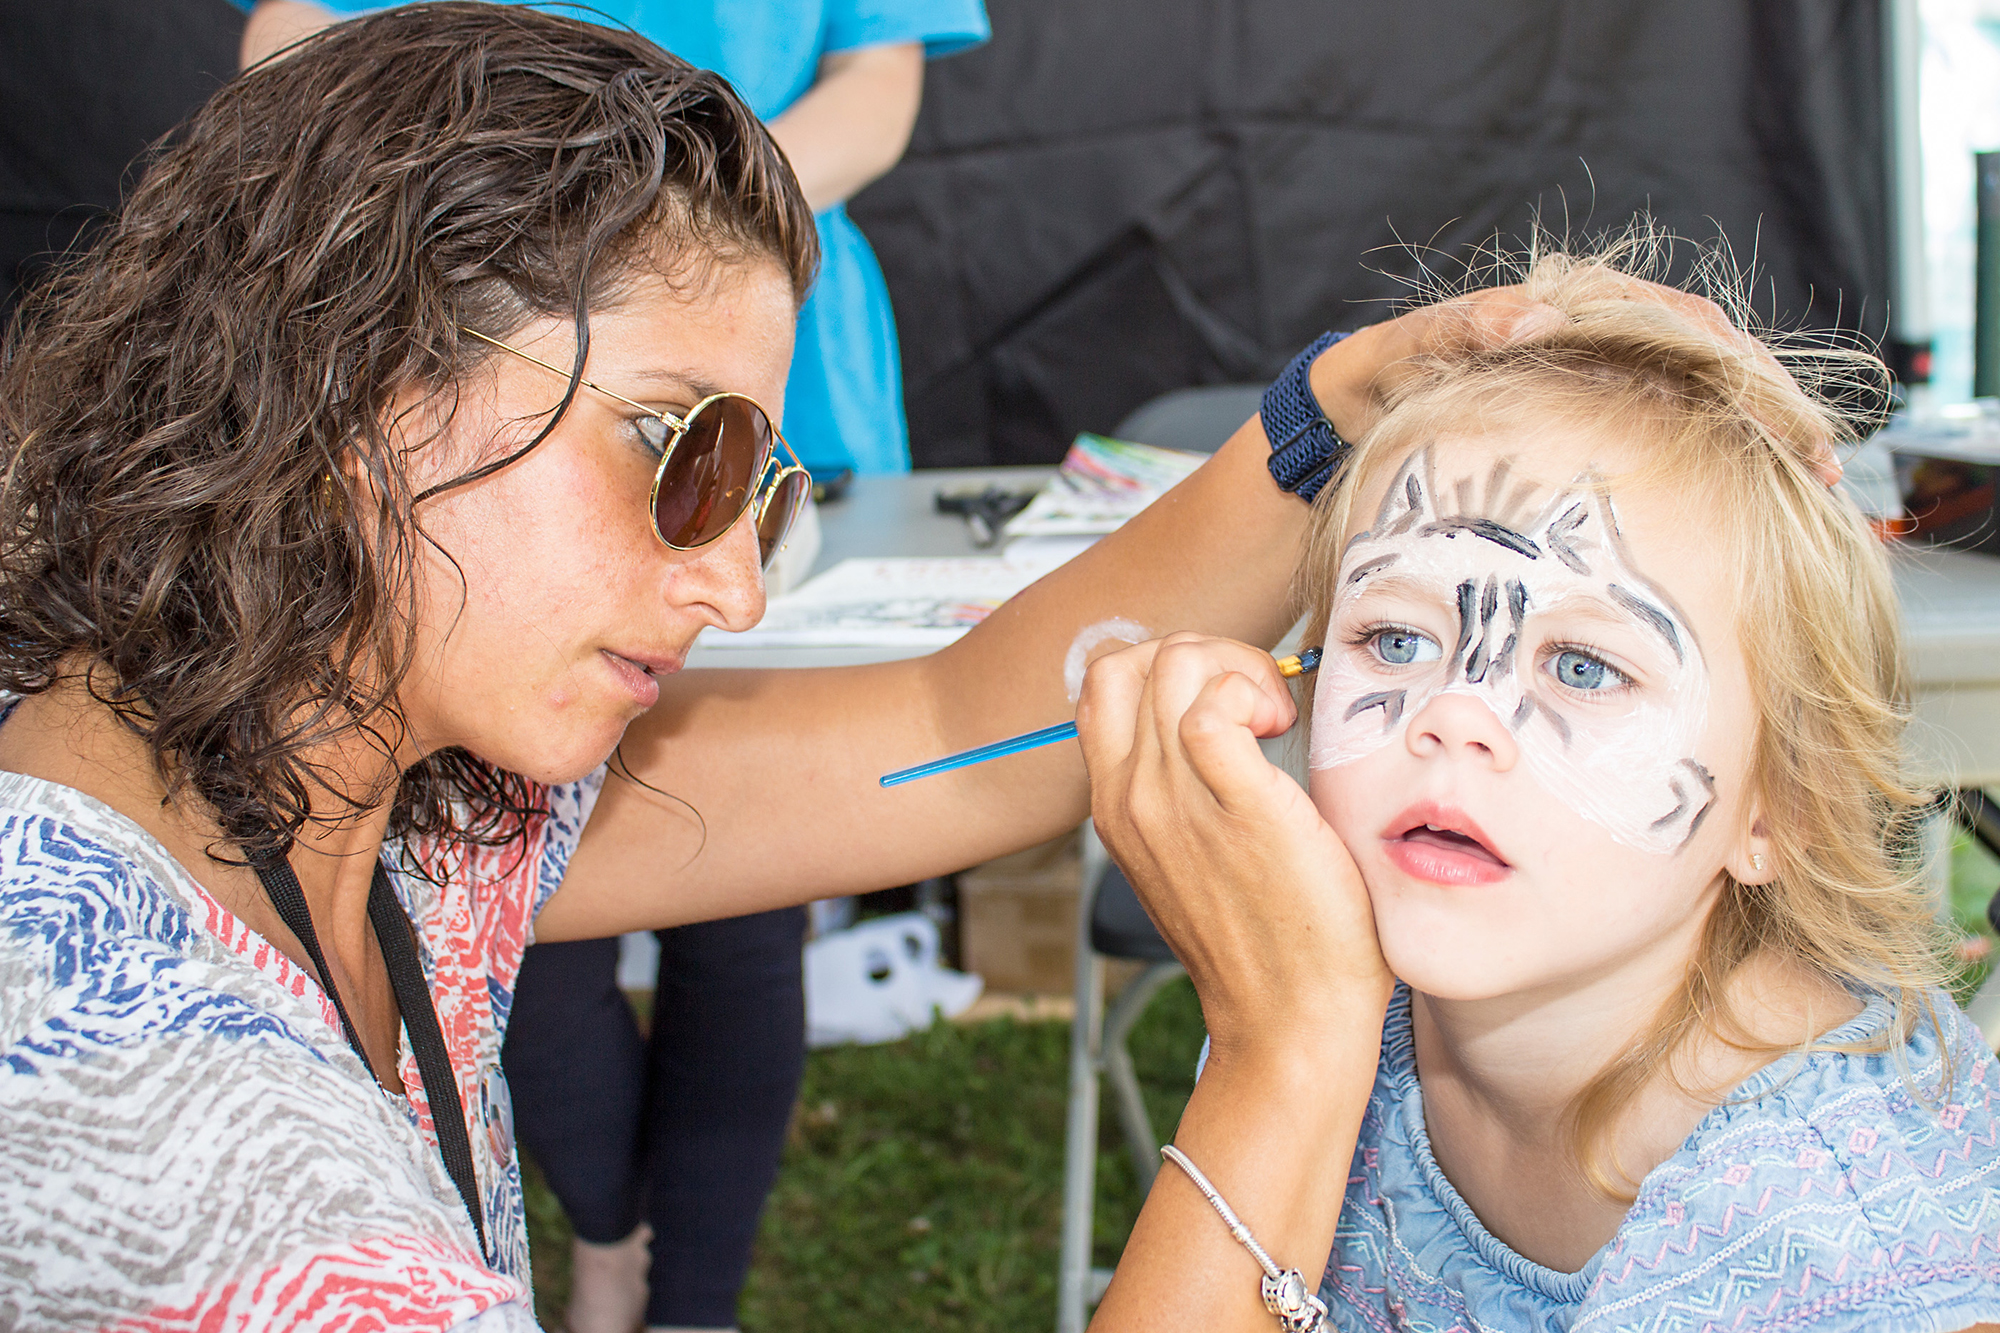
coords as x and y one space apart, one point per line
186 1139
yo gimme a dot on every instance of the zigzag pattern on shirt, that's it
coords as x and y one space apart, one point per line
186 1141
385 1282
1825 1197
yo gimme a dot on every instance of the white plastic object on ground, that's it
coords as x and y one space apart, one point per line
881 980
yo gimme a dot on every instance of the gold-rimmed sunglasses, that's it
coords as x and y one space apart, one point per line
715 462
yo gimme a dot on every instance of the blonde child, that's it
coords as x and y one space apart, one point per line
1609 720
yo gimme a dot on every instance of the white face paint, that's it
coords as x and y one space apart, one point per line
1091 637
1525 600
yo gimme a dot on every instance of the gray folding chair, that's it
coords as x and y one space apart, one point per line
1198 419
1111 924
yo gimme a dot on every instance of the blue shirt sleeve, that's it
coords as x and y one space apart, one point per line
943 26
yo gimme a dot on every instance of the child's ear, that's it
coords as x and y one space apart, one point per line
1751 860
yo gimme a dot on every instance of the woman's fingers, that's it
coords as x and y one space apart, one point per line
1817 453
1350 378
1113 687
1186 664
1490 317
1244 879
1218 734
1159 679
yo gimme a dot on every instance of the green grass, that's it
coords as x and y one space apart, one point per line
921 1186
549 1236
1975 876
922 1181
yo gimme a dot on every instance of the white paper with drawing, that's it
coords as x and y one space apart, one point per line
890 602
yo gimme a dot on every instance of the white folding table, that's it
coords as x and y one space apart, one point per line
1950 602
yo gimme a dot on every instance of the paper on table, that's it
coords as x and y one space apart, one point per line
1102 483
890 602
928 603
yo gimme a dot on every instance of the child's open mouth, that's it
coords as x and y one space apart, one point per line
1443 846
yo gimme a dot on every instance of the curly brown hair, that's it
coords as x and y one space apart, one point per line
190 410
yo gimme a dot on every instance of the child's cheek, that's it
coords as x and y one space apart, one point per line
1354 713
1632 775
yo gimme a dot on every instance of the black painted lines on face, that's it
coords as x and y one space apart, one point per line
1363 570
1479 624
1555 720
1497 512
1692 800
1559 533
1653 616
1510 504
1493 532
1389 523
1506 575
1389 701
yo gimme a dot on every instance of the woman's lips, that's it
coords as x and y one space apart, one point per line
1443 846
640 675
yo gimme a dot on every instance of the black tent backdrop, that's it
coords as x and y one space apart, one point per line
85 86
1119 197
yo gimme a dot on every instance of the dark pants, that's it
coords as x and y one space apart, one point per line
682 1129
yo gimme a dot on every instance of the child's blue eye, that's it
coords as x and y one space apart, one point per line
1581 671
1401 647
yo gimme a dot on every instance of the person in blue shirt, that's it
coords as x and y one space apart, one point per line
664 1165
839 83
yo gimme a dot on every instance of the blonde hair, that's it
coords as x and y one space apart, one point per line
1717 410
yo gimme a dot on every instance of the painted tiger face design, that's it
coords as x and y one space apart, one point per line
1522 597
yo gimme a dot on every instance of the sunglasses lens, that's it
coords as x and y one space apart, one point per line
786 502
707 480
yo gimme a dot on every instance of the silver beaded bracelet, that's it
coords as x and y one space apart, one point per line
1285 1292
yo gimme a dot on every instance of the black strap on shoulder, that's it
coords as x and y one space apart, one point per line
281 886
413 996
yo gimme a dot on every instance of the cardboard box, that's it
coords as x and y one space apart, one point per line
1017 919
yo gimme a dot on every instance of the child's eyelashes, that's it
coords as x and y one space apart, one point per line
1580 670
1399 645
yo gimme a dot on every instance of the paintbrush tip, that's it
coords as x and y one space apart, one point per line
1300 663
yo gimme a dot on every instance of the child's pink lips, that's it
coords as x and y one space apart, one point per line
1443 845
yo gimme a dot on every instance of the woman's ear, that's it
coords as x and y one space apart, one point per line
1751 860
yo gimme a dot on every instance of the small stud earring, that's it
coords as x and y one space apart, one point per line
1757 862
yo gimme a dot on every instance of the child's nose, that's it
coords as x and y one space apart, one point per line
1459 723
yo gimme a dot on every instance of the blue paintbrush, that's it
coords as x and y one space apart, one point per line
1298 664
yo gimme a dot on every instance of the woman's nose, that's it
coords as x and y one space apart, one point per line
725 579
1457 724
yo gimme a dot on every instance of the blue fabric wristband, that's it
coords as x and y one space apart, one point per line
1305 449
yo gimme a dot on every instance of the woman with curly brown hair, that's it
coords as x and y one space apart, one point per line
363 490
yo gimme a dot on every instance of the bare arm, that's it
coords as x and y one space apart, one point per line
783 765
1264 906
276 24
853 124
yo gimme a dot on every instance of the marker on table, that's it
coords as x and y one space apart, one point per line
1298 664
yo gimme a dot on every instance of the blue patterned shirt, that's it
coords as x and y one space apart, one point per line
1820 1194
